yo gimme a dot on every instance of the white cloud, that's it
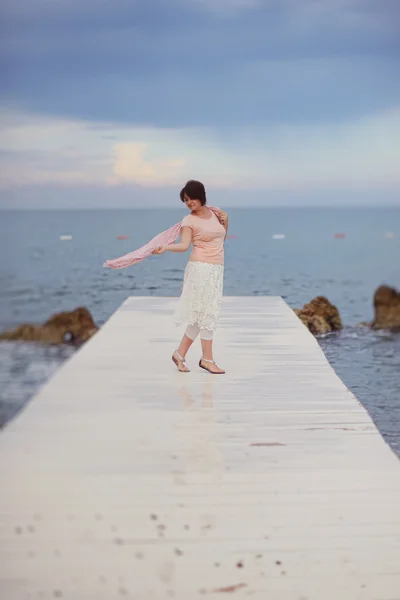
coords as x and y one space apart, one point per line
131 165
357 154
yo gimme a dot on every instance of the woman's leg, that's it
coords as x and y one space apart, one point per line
191 333
207 361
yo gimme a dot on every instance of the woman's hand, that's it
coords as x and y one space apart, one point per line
223 219
159 250
222 216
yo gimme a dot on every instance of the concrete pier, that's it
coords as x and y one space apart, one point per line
126 479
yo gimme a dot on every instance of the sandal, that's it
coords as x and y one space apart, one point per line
180 363
221 372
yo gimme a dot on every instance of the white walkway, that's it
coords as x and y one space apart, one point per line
126 479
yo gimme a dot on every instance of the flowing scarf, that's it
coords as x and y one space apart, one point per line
169 236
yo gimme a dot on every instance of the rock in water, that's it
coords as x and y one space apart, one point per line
387 308
74 327
320 316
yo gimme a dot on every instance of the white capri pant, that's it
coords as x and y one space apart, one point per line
192 331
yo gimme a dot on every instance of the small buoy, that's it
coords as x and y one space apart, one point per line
122 237
278 236
340 236
389 235
65 238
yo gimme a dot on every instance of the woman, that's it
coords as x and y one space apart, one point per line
200 301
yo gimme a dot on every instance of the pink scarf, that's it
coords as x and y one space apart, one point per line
162 239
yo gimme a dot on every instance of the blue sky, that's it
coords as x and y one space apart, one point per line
111 103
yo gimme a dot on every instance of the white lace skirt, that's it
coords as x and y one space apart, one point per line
201 296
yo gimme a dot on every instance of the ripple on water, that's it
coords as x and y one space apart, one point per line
369 364
24 368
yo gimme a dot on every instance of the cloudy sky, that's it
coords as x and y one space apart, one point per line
108 103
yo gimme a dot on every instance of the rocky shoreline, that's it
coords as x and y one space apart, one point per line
320 316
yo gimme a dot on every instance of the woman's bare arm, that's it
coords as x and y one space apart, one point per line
182 246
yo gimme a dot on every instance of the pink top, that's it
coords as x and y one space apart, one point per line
208 236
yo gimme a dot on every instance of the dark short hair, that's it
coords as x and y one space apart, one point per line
194 190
